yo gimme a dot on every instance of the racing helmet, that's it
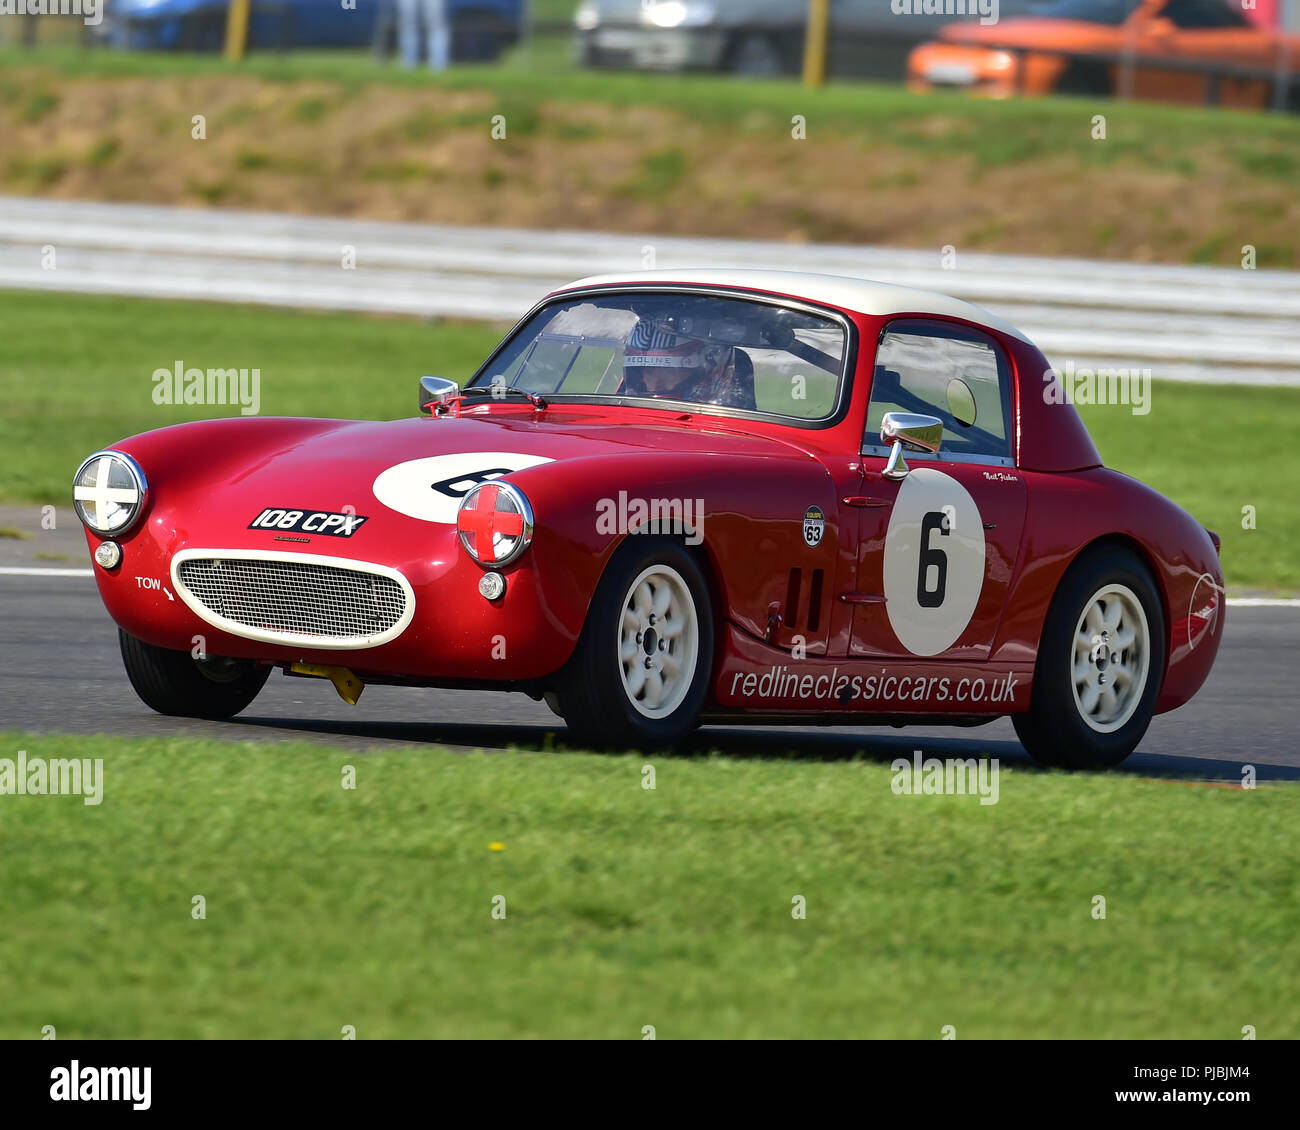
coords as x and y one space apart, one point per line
661 358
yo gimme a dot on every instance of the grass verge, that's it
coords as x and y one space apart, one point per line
627 907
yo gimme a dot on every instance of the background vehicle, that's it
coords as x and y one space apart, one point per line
750 37
1155 49
482 29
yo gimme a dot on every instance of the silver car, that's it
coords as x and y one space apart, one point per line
870 38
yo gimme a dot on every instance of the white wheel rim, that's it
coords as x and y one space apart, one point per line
658 642
1111 658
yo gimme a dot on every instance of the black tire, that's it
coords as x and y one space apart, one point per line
174 682
1056 729
593 693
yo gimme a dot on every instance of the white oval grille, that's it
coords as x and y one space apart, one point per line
295 600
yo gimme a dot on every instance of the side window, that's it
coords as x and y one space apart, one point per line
943 370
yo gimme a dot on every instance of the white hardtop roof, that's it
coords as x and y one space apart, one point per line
861 295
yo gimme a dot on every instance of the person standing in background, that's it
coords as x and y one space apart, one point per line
437 18
427 24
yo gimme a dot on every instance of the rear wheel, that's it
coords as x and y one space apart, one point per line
640 673
174 682
1100 664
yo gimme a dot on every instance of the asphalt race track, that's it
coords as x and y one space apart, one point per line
60 672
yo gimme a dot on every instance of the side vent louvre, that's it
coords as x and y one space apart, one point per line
815 600
792 597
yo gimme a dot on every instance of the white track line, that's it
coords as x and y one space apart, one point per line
1233 601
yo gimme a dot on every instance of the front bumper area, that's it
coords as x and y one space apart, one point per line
445 631
295 599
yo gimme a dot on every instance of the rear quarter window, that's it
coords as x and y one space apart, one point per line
954 373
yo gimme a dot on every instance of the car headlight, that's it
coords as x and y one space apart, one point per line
495 523
586 17
109 492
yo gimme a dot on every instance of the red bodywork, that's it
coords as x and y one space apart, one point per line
782 649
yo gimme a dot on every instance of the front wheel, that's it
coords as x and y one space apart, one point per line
640 673
174 682
1100 664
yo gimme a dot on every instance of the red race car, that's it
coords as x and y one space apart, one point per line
672 498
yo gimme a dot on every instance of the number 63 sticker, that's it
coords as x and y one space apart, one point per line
814 525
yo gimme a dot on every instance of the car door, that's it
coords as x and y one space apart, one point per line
938 547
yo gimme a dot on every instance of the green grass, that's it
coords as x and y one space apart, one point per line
627 907
76 375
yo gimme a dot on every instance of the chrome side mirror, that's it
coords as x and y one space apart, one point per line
911 430
435 392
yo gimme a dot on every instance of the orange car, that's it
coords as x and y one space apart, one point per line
1167 50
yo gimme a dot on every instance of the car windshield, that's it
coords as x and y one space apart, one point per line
701 350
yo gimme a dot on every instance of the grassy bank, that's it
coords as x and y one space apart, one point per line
626 907
338 134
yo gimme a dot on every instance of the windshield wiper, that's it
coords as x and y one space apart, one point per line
498 391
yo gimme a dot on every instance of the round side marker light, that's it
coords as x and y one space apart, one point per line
108 555
492 586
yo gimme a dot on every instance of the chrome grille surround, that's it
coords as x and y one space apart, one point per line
330 603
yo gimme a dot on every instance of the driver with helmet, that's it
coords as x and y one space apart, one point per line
661 361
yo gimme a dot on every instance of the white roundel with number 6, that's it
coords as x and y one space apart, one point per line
433 488
934 561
